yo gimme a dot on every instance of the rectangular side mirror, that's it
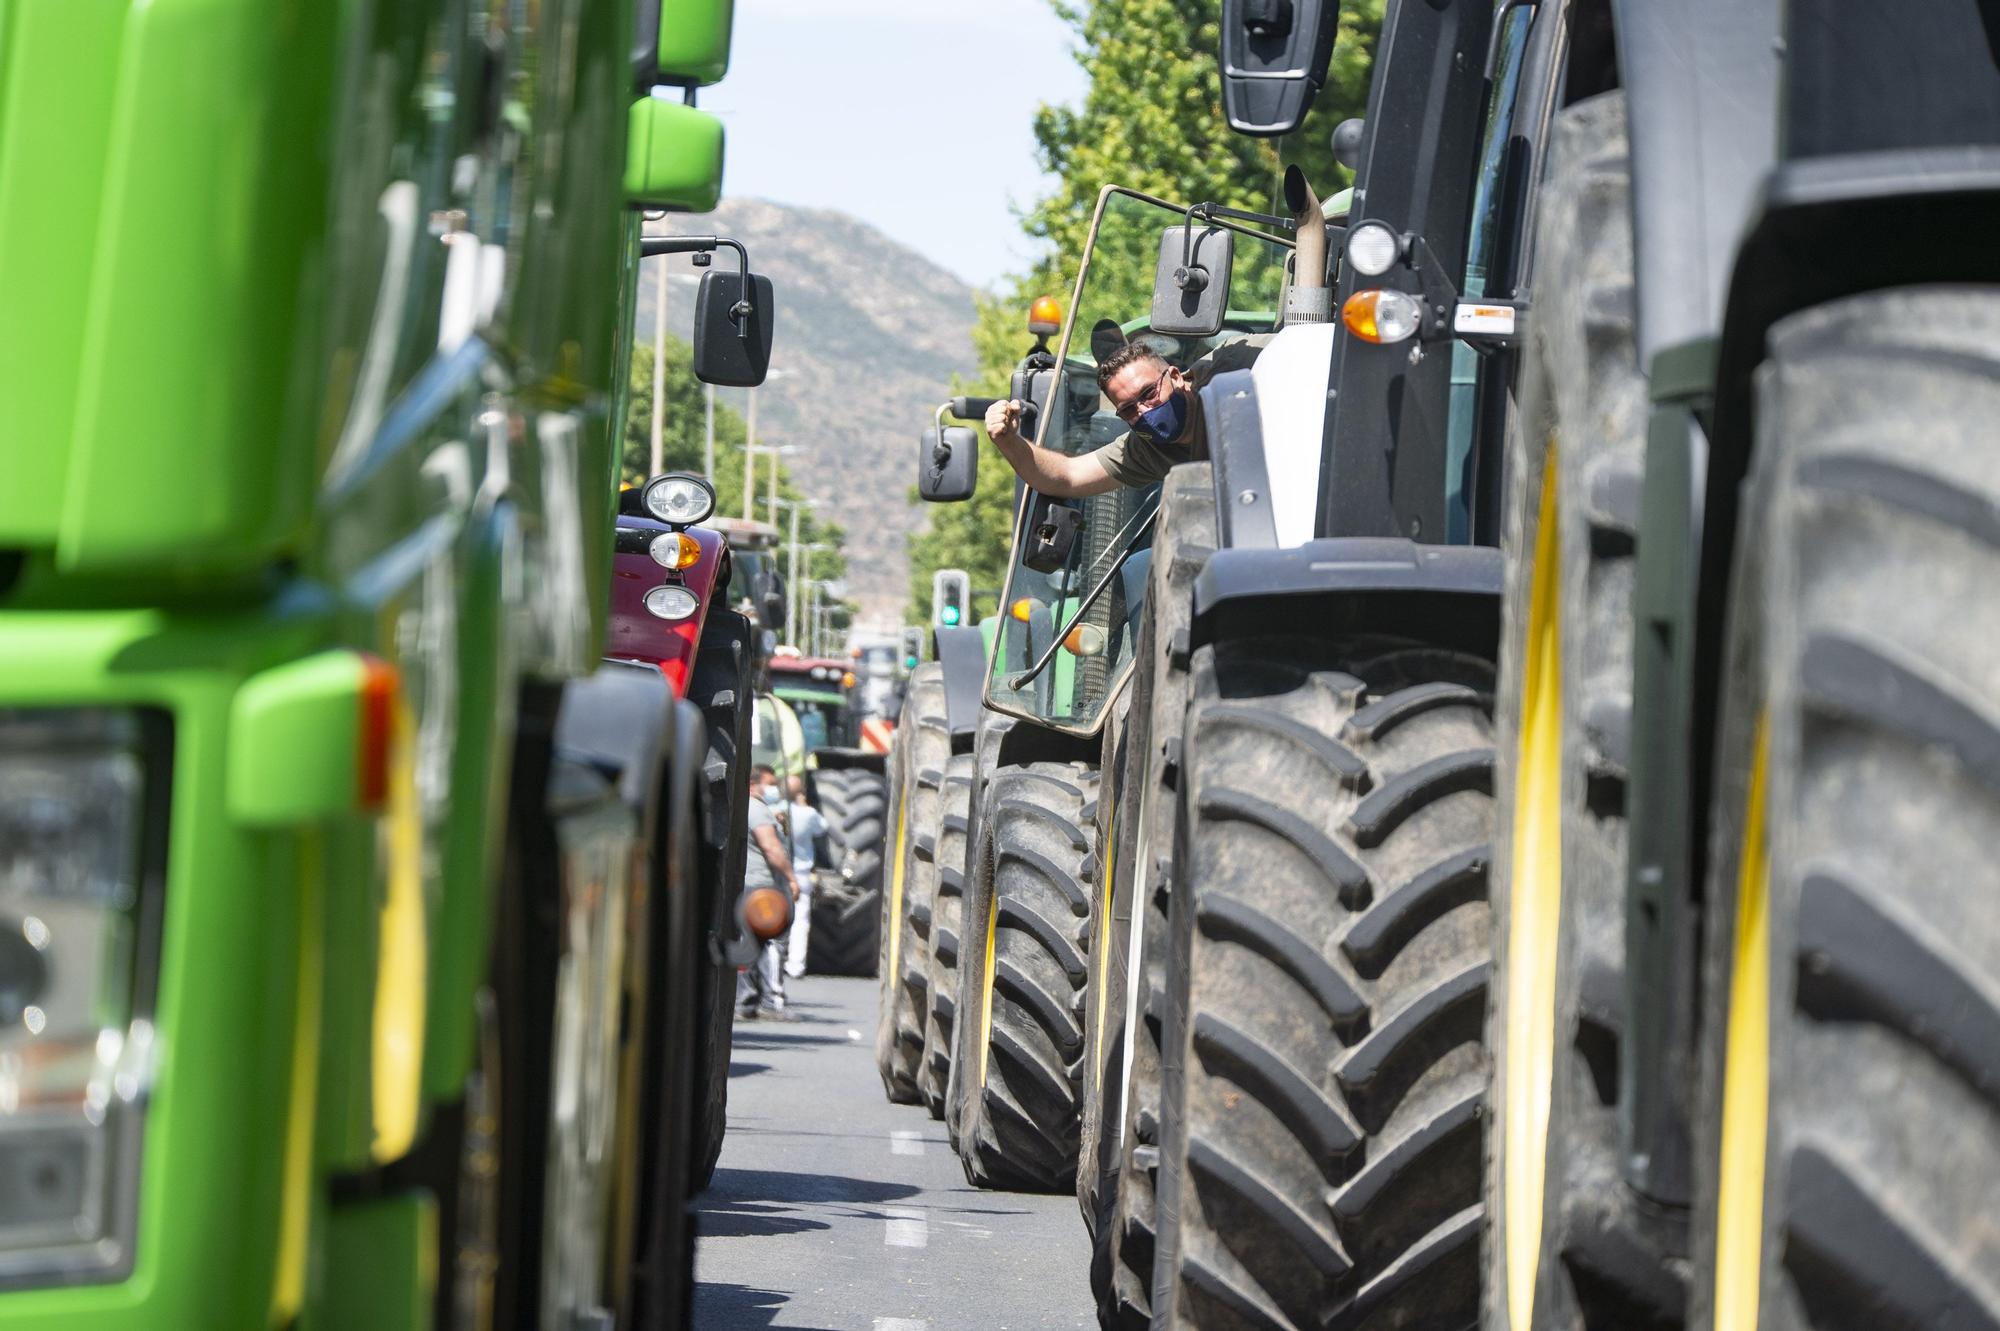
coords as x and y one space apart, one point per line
1274 58
948 468
732 348
673 157
1191 281
683 42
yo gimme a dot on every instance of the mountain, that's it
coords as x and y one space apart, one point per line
868 336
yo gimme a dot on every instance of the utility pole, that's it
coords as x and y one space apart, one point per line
771 508
750 462
659 365
708 438
792 578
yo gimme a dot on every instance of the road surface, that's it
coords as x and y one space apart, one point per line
834 1210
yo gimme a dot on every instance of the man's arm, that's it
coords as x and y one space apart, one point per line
1045 470
773 851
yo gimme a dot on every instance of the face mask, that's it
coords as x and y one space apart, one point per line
772 797
1166 421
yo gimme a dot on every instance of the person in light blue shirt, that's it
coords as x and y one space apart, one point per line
807 827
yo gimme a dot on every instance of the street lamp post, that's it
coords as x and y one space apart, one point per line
659 366
708 436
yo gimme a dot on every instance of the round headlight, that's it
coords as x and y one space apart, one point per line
672 549
679 499
1372 249
671 602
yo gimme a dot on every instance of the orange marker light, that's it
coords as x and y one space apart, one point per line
847 680
676 549
1084 640
1380 316
1021 609
1046 310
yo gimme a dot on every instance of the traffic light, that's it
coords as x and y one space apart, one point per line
951 598
913 648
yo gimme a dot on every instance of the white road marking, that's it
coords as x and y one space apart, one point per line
901 1324
906 1143
906 1228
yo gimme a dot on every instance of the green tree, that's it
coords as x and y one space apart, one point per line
1151 119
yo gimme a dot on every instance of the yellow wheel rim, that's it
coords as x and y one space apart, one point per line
1535 913
1102 961
1739 1220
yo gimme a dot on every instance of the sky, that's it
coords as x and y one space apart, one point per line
914 115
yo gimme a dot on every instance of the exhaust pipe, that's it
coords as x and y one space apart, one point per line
1307 300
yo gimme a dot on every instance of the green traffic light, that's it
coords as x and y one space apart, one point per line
949 615
909 663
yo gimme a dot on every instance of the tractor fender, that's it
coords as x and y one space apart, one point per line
1340 587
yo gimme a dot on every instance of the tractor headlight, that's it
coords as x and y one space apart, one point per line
679 499
81 837
671 602
1372 249
675 549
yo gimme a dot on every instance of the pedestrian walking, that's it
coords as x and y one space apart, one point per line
807 826
760 988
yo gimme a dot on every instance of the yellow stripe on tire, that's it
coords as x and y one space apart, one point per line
1746 1074
1534 916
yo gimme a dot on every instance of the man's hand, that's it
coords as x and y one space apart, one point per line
1003 421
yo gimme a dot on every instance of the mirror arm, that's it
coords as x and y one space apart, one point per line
651 247
1028 676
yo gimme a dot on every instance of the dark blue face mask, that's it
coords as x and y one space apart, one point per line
1166 421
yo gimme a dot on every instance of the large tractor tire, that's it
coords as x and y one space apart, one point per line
1849 1133
1573 1247
720 686
1118 1161
1097 1122
1021 978
1325 1070
947 910
923 743
847 902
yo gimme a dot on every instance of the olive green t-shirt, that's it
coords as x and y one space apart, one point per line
1136 458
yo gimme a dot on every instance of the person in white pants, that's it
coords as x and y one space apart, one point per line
807 827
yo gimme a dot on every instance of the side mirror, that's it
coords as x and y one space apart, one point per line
733 315
683 42
948 464
673 157
1191 280
1274 57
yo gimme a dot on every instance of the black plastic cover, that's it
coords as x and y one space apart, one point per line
726 352
1274 57
1051 535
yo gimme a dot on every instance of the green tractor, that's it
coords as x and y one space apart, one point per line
325 872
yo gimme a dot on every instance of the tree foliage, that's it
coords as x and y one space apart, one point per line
682 428
1151 119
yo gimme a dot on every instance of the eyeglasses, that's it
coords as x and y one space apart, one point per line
1146 401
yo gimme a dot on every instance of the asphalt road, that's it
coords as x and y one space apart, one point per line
835 1210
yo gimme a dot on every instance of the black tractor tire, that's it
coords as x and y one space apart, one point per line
1123 1156
1601 1258
947 909
923 748
1848 1131
1325 1065
847 901
720 686
1021 978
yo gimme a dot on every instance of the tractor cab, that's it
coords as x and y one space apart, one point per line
1204 288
